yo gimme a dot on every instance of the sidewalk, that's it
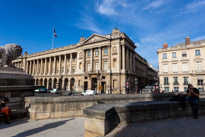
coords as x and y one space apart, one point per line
67 127
74 127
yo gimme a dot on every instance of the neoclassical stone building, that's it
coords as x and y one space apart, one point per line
105 63
181 64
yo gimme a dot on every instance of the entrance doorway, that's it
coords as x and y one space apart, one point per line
103 87
94 84
72 81
85 85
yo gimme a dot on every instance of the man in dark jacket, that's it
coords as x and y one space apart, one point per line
5 110
193 99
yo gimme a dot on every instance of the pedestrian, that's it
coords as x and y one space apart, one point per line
5 110
193 99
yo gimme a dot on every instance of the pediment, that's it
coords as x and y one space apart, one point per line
95 38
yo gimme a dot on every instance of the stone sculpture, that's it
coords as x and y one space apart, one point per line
8 53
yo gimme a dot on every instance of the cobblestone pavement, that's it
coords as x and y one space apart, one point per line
179 127
73 127
67 127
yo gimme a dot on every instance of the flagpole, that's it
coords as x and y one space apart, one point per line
53 38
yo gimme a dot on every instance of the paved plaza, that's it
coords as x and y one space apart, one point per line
73 127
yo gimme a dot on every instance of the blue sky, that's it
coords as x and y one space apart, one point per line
149 23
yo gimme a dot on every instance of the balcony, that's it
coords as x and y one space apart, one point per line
175 83
185 83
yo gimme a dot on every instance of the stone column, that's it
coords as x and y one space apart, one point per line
41 66
71 58
49 66
33 67
59 64
91 60
109 58
84 61
100 59
54 71
127 59
45 66
30 67
119 58
37 70
65 62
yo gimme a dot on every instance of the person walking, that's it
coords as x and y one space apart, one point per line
5 110
193 99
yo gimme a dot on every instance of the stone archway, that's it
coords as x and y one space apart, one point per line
65 83
60 84
55 83
37 82
45 83
72 82
50 83
41 82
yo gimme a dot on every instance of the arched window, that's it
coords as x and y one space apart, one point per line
114 63
80 66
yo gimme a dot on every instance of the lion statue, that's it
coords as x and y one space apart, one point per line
8 53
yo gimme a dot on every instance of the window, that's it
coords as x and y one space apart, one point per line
96 52
166 89
176 89
105 65
197 53
68 70
96 65
80 65
78 82
165 56
199 66
200 82
166 81
184 67
176 81
88 53
186 81
73 69
184 54
105 51
174 68
185 89
114 83
63 69
165 68
114 63
200 89
88 66
174 55
74 59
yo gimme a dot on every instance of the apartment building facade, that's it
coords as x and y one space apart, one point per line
105 63
181 64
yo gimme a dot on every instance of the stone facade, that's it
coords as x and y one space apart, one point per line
181 64
105 63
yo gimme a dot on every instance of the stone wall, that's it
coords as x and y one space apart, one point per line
72 106
103 118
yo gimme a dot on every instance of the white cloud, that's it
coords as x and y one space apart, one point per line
199 38
155 4
106 8
194 6
88 23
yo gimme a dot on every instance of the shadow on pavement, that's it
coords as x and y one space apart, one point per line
13 123
40 129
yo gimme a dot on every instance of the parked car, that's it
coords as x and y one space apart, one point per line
41 90
89 92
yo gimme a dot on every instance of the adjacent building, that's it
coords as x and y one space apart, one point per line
181 64
105 63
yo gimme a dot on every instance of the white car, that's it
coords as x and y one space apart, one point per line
89 92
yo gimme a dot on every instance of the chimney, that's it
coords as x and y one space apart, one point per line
165 45
187 40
